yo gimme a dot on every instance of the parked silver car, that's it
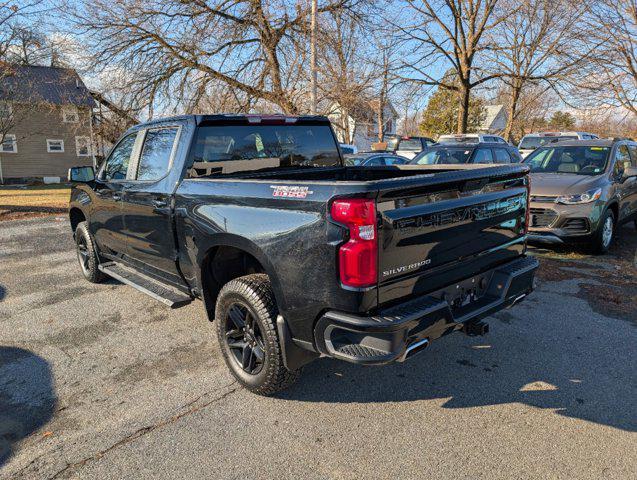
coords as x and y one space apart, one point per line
581 190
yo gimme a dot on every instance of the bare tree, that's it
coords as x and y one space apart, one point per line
346 74
534 44
452 33
613 76
177 48
386 63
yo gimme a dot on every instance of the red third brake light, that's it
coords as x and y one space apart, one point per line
358 256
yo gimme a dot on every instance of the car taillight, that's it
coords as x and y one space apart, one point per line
358 256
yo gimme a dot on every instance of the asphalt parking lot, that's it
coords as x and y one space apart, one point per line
100 381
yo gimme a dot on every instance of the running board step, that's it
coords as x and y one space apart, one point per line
159 291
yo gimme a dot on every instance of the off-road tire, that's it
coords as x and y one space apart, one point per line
84 240
254 293
598 245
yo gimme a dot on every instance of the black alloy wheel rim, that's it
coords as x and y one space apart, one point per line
83 254
244 339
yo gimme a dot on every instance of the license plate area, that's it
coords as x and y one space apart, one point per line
462 295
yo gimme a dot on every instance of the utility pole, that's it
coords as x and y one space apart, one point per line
313 78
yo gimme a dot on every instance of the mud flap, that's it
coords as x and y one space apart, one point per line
294 357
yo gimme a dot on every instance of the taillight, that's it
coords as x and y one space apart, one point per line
358 256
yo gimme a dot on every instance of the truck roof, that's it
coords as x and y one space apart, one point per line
237 118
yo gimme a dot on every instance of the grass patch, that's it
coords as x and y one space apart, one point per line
33 201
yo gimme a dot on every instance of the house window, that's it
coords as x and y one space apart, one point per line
70 115
83 146
54 146
5 110
9 144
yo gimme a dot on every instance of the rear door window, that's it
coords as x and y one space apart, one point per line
375 162
501 155
483 155
156 152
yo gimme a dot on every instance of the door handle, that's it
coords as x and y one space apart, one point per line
160 203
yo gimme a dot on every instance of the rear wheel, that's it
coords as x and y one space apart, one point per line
87 254
245 315
605 233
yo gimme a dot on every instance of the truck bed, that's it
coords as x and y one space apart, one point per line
437 223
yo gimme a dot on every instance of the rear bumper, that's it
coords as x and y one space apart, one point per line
396 333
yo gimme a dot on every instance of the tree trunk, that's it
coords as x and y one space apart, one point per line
464 94
512 111
380 118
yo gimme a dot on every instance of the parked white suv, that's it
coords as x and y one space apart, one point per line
535 140
471 138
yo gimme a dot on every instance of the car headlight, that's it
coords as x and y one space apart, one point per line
586 197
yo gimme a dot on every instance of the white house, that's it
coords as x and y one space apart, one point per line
495 119
358 123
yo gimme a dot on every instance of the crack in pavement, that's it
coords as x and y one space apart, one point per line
151 428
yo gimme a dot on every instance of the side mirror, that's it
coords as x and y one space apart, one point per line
629 172
81 174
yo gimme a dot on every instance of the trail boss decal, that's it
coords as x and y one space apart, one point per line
290 191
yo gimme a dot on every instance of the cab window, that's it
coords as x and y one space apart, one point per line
116 165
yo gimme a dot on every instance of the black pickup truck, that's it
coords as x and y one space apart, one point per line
294 254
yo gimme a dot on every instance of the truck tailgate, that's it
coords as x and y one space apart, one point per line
457 225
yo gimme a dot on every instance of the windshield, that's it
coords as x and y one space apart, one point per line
442 155
220 150
531 143
583 160
410 145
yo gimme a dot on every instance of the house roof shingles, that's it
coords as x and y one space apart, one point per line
32 84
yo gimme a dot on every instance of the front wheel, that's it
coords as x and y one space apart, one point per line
87 254
245 315
603 236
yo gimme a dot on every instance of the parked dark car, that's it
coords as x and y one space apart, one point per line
294 254
581 190
374 159
457 153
